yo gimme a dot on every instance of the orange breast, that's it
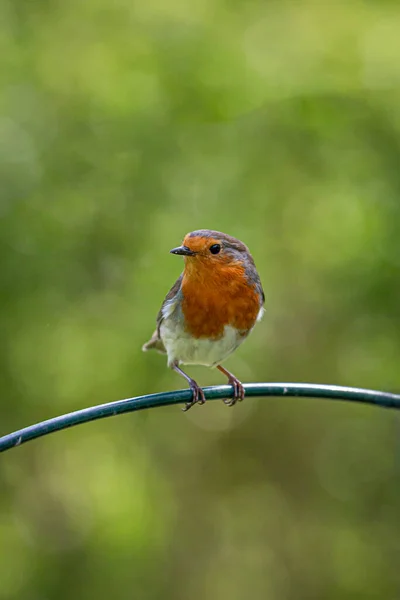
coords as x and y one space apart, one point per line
213 300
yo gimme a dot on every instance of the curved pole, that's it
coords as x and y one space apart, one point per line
332 392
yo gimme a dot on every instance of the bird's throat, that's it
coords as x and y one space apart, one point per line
217 296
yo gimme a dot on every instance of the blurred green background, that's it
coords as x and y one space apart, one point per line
124 125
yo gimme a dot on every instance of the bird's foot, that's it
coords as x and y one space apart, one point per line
238 391
198 396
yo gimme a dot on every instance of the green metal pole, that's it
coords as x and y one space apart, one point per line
332 392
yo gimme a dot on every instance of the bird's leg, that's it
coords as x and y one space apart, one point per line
198 394
238 389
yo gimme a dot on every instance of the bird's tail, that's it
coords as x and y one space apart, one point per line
154 343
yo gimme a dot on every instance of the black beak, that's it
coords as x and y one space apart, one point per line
184 250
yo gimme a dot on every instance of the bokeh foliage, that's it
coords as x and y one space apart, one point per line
123 126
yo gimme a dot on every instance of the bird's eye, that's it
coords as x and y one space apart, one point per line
215 248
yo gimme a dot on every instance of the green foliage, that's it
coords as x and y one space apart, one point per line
123 126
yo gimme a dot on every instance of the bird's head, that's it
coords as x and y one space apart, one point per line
210 251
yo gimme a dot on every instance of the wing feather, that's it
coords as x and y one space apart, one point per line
166 309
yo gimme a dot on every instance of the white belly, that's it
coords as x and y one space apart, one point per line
184 349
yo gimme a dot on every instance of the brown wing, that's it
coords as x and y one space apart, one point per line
155 342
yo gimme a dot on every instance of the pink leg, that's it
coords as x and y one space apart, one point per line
238 389
198 394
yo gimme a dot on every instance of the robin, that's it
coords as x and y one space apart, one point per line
211 308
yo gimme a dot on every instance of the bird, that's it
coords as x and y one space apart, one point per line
211 308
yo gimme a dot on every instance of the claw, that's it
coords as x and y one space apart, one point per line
198 396
238 391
